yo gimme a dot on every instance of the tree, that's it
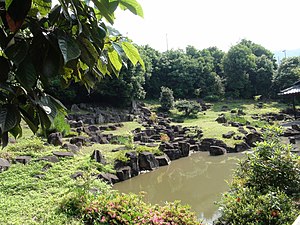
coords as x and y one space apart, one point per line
166 99
39 43
188 107
288 73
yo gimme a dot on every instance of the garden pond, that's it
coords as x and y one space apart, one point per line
198 180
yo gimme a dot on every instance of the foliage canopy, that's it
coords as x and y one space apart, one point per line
39 43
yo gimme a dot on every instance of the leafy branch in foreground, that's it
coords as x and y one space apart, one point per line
39 42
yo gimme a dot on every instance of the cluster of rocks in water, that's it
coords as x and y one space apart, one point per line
182 141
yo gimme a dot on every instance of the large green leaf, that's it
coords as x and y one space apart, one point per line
26 74
132 53
106 9
89 54
115 59
17 51
133 6
9 117
16 131
68 47
7 3
30 117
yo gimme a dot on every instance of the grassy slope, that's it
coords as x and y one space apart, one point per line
25 199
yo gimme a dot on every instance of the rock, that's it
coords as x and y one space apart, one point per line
109 178
184 147
290 132
39 176
4 164
292 140
236 124
71 147
173 154
221 119
216 150
296 127
228 134
92 128
112 127
75 124
75 108
242 130
241 112
206 143
147 161
163 160
76 175
98 157
46 167
55 139
124 173
50 158
240 147
63 154
133 163
78 139
23 159
252 138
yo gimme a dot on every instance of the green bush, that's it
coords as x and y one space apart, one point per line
188 107
247 206
111 207
166 99
265 185
61 125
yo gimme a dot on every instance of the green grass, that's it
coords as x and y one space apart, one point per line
126 129
211 129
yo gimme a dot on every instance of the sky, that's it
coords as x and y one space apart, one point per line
173 24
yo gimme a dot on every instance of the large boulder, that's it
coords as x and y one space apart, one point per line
133 163
109 178
124 173
173 154
240 147
163 160
221 119
71 147
147 161
23 159
55 139
98 157
228 135
184 147
4 164
216 150
206 143
252 138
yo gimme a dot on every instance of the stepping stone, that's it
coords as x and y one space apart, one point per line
63 154
76 175
50 158
23 159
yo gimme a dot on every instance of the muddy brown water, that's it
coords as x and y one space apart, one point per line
197 180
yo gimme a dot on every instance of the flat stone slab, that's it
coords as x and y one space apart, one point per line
23 159
50 158
63 154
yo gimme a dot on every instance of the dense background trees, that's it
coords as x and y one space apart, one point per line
246 70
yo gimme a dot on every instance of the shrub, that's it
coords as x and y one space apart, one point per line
166 99
188 107
247 206
111 207
264 185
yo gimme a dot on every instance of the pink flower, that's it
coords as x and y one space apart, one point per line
103 219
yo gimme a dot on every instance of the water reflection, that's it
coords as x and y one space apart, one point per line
197 180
